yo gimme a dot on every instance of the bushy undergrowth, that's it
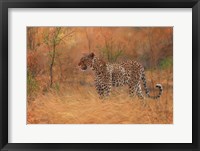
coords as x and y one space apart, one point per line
32 85
166 63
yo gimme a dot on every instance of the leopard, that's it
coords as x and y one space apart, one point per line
108 75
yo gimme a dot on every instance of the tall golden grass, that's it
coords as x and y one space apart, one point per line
79 103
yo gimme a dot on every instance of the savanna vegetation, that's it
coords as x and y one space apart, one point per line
58 92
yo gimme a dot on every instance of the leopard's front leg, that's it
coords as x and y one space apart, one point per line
107 89
103 89
99 88
100 91
108 83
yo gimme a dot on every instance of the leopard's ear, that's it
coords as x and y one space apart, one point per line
91 55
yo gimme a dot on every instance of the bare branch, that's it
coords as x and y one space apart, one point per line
69 34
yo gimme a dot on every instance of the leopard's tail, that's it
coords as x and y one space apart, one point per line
159 86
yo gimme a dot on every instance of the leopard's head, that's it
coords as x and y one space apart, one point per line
86 61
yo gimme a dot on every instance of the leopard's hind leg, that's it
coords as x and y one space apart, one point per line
139 91
135 89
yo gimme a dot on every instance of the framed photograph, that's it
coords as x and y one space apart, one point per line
100 75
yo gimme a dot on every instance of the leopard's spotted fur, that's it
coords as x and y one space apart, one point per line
107 75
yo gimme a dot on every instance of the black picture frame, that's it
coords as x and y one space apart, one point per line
6 4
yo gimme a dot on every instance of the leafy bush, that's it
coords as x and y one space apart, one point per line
166 63
32 85
56 86
33 63
111 56
112 51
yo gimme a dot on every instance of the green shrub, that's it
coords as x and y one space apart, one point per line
166 63
56 86
32 85
111 55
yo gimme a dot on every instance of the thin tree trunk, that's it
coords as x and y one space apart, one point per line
52 64
60 66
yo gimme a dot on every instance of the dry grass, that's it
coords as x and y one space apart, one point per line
77 103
